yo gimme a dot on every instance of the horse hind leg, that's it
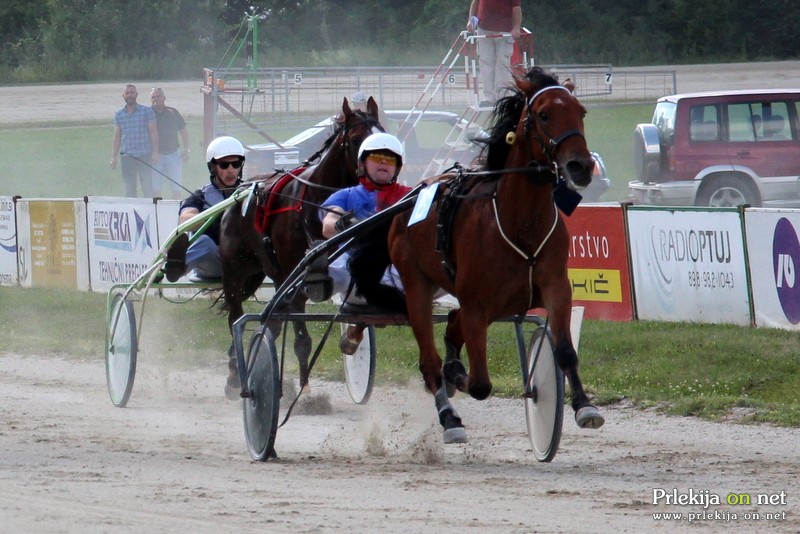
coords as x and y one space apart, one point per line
302 349
586 414
453 370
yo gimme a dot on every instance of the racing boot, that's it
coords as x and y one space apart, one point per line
176 258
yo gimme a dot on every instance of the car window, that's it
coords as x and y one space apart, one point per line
704 125
744 122
775 121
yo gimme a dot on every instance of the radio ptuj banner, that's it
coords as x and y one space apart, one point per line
773 248
52 243
689 264
8 242
123 239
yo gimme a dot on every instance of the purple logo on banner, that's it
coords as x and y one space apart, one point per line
785 256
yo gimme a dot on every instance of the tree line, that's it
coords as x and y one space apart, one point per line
75 40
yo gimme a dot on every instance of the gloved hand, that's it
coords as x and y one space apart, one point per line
347 220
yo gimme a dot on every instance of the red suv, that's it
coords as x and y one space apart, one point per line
720 149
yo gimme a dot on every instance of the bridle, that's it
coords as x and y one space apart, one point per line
548 143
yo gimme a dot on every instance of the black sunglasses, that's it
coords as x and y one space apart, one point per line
225 164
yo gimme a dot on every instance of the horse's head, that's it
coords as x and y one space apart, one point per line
357 126
551 127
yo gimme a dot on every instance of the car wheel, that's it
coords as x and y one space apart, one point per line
727 191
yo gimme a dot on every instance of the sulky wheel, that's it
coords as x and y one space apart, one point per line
544 396
260 407
359 369
121 348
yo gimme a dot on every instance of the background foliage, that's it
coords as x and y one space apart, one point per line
79 40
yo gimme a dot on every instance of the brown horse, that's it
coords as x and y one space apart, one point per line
501 245
272 238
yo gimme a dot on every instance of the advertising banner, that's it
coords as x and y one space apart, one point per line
52 243
167 211
689 265
8 242
122 239
598 263
773 248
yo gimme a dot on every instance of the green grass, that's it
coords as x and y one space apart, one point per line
680 368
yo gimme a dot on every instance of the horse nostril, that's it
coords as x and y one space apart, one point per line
580 170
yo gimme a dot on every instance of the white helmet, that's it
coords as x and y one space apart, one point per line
222 147
381 141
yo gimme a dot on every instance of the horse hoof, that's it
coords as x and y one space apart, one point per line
589 417
455 435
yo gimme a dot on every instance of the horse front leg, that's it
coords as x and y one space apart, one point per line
586 414
420 311
232 295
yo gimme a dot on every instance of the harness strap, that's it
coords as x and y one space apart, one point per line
530 260
265 212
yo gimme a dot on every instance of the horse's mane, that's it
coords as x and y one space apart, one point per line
505 117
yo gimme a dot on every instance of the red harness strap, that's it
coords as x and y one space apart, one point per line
263 213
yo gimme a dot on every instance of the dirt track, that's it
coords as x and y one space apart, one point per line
176 458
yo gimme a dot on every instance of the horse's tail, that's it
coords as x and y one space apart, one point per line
369 258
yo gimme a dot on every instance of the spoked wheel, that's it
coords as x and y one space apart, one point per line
544 396
121 348
260 409
359 369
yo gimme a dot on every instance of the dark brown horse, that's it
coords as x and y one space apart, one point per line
270 239
503 246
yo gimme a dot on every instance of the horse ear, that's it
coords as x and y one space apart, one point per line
346 108
524 85
569 84
372 107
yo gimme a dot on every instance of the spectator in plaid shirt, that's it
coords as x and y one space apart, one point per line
136 140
